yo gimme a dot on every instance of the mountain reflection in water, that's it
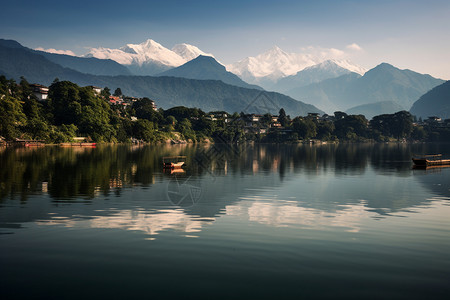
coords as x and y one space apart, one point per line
278 185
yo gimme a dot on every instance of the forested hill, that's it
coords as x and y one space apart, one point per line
208 95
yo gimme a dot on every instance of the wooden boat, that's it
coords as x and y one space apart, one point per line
430 160
174 162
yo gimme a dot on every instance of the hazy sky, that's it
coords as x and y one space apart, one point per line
408 34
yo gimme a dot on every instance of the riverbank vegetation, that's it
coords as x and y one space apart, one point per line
73 111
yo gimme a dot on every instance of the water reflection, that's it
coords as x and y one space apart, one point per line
137 220
328 186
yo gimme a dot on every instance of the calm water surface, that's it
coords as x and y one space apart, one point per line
247 222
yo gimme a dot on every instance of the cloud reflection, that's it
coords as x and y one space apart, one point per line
284 213
148 223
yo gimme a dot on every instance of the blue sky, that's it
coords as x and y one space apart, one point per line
408 34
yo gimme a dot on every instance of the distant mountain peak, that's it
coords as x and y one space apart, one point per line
10 43
188 52
141 57
206 68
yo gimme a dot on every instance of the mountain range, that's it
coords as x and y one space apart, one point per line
380 84
330 85
209 95
267 68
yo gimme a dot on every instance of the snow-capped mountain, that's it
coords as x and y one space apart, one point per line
268 67
149 57
189 52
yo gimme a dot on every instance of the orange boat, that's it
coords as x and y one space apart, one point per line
174 162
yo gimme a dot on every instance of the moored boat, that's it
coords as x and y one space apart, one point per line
430 160
174 162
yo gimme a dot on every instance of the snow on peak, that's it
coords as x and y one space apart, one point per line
346 64
149 51
273 63
138 54
276 63
189 52
152 51
117 55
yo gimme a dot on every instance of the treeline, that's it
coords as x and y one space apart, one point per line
72 111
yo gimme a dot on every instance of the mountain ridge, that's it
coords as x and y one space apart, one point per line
382 83
84 65
206 68
435 102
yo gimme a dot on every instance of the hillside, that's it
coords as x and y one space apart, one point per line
207 68
17 62
434 103
209 95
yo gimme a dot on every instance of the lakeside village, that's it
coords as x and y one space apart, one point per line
67 114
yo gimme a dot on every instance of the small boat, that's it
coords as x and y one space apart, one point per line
174 162
430 160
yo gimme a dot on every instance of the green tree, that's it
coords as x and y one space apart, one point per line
118 92
185 128
105 93
144 110
304 127
11 113
282 118
64 102
352 127
402 124
144 130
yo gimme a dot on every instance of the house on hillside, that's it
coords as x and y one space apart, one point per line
211 117
97 90
154 105
256 118
313 116
40 91
114 100
434 121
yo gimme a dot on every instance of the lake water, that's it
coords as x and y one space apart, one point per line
242 222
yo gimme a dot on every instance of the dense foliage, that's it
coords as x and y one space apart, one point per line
73 111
